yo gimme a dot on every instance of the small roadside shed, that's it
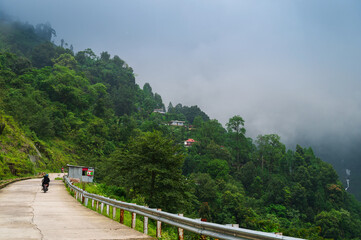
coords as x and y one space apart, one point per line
84 174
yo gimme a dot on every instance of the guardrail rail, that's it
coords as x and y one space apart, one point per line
182 223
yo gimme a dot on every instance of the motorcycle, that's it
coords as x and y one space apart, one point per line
45 187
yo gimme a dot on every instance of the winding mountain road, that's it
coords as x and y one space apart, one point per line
28 213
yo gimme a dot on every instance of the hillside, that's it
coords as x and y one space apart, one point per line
63 107
21 155
16 150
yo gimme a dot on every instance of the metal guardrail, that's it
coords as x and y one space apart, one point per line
203 228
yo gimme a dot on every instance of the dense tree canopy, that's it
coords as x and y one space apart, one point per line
150 166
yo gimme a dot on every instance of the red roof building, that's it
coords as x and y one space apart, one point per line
189 142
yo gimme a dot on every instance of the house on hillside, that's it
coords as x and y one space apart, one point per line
177 123
160 110
189 142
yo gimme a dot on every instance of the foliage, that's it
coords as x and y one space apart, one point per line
151 167
189 113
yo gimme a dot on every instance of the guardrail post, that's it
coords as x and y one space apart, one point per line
107 210
180 230
203 237
114 212
92 203
159 227
145 226
76 195
121 218
86 202
101 207
134 219
97 208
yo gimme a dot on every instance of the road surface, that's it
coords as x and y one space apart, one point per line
28 213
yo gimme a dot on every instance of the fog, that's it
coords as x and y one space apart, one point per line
287 67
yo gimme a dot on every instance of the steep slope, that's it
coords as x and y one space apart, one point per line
20 155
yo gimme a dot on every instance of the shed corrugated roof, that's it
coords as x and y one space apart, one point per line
78 166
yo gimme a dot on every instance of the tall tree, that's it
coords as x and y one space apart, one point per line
152 168
147 89
270 151
211 130
236 130
45 31
170 107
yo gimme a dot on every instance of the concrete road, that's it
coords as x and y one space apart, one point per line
28 213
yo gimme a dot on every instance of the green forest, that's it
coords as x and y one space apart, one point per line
61 107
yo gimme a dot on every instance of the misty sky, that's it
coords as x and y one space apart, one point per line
287 67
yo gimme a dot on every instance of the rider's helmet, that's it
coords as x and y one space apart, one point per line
46 175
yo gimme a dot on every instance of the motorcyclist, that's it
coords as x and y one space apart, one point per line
45 180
